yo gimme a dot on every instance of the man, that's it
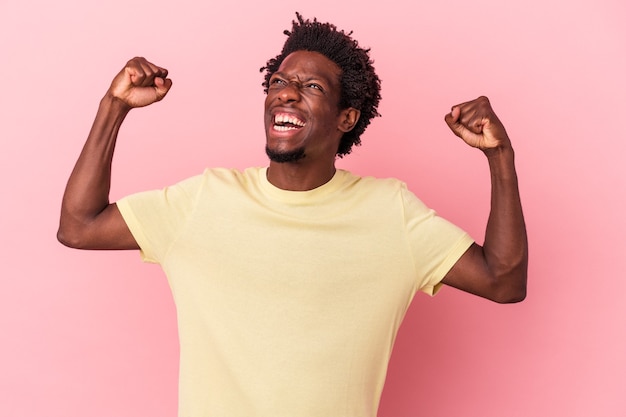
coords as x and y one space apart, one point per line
291 281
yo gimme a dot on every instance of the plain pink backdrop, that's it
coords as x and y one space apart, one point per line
92 333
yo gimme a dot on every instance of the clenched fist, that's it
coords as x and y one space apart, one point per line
476 123
140 83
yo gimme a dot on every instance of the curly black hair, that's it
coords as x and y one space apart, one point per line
360 86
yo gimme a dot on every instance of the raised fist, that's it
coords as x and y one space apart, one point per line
140 83
476 123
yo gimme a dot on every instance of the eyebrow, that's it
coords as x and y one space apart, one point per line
310 78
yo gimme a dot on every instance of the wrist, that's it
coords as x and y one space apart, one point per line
500 152
501 162
114 104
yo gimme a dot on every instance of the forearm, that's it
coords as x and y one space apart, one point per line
87 191
506 245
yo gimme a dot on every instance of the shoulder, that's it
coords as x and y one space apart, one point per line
389 195
392 192
220 177
191 187
369 182
381 188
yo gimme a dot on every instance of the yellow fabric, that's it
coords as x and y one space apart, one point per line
289 302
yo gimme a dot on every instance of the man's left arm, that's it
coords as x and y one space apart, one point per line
497 270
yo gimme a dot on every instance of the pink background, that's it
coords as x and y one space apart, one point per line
92 333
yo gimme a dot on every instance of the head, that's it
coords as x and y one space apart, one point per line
359 85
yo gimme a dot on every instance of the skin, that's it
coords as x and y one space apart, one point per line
306 87
88 220
497 270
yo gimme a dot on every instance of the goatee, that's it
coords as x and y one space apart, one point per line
284 157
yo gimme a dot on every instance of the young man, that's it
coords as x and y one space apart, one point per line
291 281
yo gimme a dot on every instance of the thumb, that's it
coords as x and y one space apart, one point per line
162 86
453 121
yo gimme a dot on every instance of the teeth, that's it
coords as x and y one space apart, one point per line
284 128
287 118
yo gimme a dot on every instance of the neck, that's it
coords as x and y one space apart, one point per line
297 176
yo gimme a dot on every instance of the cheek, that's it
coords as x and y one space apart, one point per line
266 113
331 116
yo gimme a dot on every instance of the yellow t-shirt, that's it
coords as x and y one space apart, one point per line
289 302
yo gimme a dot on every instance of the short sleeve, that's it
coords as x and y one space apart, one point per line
156 218
436 244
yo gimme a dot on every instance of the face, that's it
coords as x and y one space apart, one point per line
302 115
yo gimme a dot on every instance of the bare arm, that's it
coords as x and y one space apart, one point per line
88 220
498 269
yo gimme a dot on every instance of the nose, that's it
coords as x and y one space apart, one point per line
291 92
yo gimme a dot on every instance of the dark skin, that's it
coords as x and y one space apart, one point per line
306 87
497 270
302 114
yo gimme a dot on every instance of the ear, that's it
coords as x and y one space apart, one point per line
348 119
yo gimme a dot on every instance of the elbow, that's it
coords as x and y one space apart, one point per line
511 297
64 238
513 289
510 282
73 230
69 238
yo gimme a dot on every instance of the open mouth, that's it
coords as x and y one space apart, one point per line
284 122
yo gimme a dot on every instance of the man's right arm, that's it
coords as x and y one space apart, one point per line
88 220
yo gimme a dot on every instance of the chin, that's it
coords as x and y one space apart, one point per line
285 156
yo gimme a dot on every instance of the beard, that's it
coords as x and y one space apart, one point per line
285 157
